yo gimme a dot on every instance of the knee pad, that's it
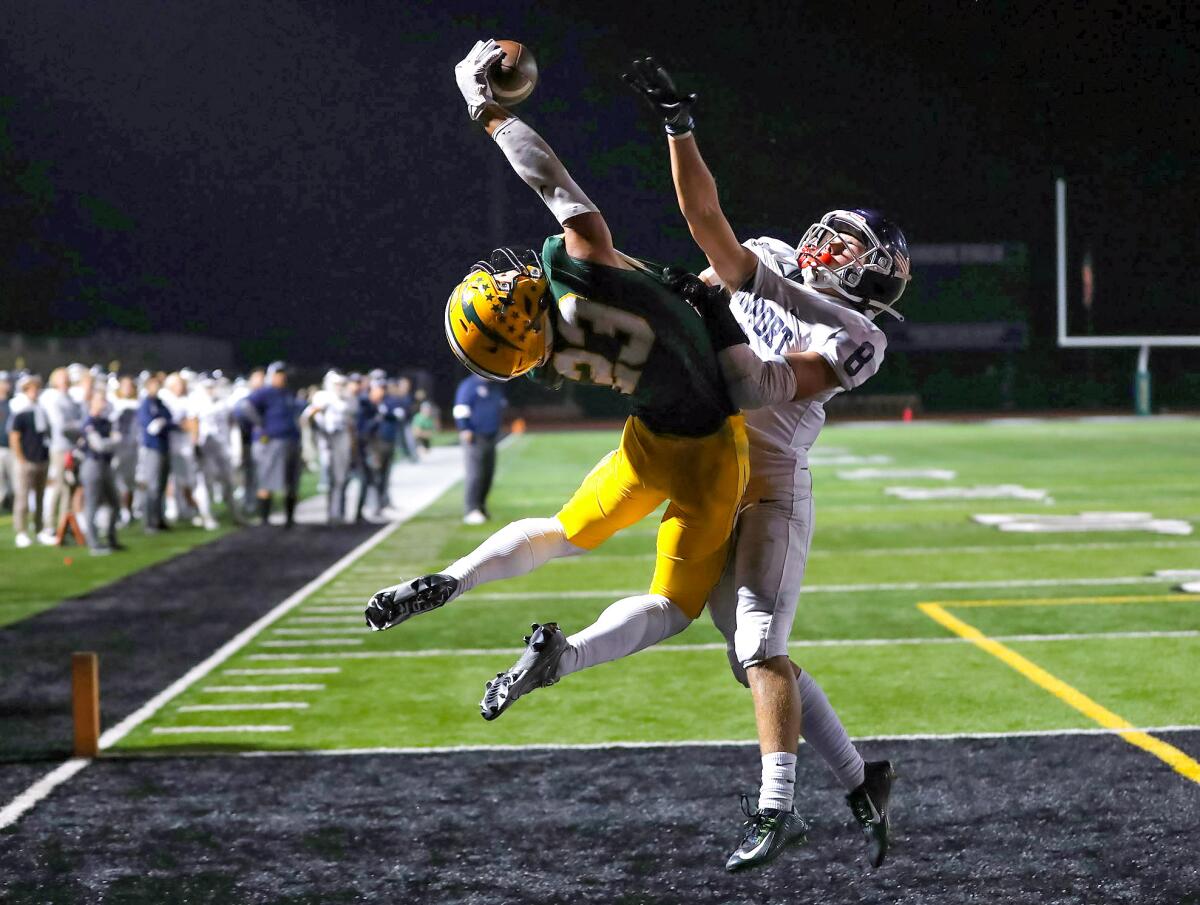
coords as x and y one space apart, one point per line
751 637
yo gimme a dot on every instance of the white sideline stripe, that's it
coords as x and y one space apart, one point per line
235 689
188 730
282 671
719 645
697 743
273 705
306 642
14 809
327 629
60 774
822 588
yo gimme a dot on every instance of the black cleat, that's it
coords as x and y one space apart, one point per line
537 668
768 832
869 804
391 606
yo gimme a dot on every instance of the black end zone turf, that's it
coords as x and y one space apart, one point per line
149 628
1074 819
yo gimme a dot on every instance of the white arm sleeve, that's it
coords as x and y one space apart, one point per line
754 382
542 171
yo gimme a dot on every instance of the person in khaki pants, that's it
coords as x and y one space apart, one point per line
65 417
29 439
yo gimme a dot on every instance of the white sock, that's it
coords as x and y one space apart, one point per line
626 627
821 728
778 781
516 549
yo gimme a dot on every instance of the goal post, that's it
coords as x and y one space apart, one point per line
1141 379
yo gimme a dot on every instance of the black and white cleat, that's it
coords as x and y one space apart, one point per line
869 804
765 835
537 668
391 606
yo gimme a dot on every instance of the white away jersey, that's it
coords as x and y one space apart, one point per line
780 315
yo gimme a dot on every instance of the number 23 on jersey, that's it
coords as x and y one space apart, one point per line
605 346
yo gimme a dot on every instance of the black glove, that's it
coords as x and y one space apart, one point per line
711 303
655 85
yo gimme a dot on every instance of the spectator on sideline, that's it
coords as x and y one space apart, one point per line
424 425
28 432
154 419
478 407
125 460
331 415
377 425
65 417
403 396
214 440
273 408
6 460
99 441
182 448
245 427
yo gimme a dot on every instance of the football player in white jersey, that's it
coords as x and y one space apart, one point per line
213 410
811 305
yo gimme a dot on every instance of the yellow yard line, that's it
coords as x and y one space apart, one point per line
1071 601
1169 754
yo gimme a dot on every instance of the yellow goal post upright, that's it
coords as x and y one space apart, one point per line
1141 379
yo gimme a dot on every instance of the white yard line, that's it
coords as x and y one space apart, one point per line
254 689
283 671
414 502
718 645
272 705
616 593
188 730
344 628
323 642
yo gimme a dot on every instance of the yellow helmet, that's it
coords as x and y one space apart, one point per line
496 317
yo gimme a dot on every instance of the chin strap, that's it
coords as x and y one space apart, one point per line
874 308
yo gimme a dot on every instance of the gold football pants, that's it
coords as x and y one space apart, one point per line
703 477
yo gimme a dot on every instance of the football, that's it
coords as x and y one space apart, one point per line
513 78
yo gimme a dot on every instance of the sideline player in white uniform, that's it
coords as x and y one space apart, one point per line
331 413
213 411
811 304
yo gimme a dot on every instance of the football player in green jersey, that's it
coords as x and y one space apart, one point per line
586 312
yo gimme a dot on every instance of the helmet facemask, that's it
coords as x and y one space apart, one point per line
876 273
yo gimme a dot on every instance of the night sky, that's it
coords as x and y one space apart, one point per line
301 177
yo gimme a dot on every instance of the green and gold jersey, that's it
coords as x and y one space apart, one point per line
625 329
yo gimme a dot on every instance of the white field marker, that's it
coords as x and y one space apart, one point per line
283 671
273 705
255 689
188 730
359 628
323 642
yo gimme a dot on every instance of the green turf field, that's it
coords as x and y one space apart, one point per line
1084 607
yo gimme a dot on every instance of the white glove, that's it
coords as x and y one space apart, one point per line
154 428
471 75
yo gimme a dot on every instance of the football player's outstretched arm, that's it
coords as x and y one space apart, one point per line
586 235
695 188
753 382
